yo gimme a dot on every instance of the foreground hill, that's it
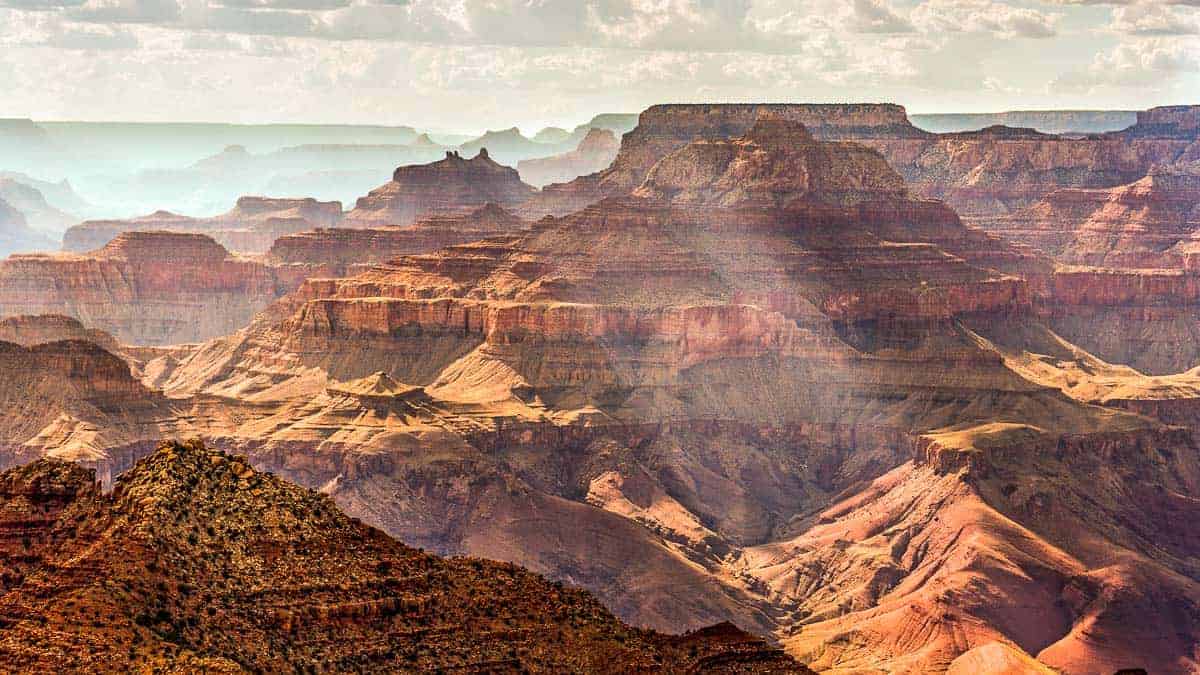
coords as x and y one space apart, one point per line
196 562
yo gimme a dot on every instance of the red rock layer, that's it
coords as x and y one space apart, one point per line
143 287
338 251
595 152
251 227
451 186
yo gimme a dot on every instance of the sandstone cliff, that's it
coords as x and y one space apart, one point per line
143 287
448 187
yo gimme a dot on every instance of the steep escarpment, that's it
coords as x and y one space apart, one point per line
195 561
594 153
1125 287
338 251
250 227
450 186
143 287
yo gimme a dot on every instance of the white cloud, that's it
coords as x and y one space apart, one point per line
1138 64
1155 18
985 16
92 38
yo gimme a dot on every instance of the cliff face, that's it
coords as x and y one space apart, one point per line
32 330
595 152
448 187
250 227
143 287
339 251
197 562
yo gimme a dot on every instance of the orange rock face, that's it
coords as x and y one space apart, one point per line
251 227
452 186
143 287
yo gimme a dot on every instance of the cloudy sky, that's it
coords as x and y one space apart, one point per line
475 64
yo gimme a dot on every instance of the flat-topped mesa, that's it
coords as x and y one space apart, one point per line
777 164
828 121
664 128
450 186
250 227
162 246
1175 121
339 251
1146 224
148 288
320 214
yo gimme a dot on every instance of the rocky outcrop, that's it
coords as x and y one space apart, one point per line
195 561
341 251
29 330
594 153
451 186
250 227
767 383
143 287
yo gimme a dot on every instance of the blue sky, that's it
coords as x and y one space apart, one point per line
476 64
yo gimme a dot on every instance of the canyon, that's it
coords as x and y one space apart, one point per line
899 401
196 562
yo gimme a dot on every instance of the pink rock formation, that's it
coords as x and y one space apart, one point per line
143 287
451 186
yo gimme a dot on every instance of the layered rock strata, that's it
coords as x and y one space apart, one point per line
345 250
143 287
451 186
